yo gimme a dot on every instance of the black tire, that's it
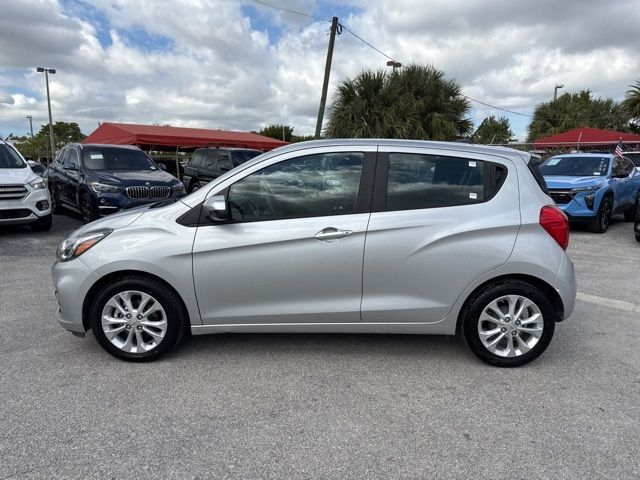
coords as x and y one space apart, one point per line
87 209
177 318
601 223
56 205
43 224
470 317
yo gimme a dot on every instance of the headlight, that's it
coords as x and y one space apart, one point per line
38 184
75 246
103 188
591 189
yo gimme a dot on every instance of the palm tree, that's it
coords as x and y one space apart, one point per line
417 102
631 101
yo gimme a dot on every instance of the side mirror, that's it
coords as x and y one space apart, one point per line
215 208
162 166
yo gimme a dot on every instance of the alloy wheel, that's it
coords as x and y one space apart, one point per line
605 217
510 326
134 322
85 209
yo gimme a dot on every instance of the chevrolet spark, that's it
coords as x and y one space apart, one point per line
371 236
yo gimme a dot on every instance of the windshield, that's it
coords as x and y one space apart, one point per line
238 157
576 166
9 158
113 158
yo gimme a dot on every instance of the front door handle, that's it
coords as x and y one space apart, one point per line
332 234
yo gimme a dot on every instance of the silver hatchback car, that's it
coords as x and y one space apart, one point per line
371 236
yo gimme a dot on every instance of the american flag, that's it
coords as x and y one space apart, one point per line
618 150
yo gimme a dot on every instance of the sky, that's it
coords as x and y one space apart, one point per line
240 65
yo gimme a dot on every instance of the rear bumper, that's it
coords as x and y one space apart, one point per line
566 285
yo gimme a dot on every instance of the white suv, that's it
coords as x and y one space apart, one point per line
24 198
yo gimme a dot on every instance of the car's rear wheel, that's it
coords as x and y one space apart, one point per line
42 224
87 210
137 319
603 218
509 323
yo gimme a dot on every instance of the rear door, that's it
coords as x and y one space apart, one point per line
440 219
292 252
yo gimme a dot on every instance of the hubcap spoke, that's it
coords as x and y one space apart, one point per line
510 326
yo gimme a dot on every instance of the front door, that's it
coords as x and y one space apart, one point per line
292 251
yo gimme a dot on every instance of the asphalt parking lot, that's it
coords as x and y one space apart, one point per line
321 406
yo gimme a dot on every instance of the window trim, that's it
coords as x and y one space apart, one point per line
195 216
379 203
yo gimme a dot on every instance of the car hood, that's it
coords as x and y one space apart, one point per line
134 177
115 221
16 176
568 182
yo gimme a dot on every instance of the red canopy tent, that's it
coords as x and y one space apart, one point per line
586 136
152 136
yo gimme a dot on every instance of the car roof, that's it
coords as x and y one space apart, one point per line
385 142
585 154
101 145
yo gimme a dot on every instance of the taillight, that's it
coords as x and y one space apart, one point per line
555 222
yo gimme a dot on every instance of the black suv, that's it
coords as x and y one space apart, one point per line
96 180
209 163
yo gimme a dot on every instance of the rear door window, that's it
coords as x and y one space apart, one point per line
429 181
209 159
196 160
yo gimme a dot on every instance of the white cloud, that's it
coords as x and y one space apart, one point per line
223 71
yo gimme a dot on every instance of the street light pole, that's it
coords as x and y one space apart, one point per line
394 64
30 124
555 90
48 71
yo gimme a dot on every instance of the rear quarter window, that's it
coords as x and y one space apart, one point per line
534 168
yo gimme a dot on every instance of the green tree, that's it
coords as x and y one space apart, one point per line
416 102
275 130
64 132
631 103
33 147
574 110
494 130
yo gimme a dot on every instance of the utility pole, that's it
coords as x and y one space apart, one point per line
327 72
30 117
48 71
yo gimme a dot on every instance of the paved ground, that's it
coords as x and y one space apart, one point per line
321 406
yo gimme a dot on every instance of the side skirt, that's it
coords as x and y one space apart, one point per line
438 328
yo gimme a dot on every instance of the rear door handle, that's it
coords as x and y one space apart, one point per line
331 233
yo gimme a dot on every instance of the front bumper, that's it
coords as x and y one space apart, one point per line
35 205
71 281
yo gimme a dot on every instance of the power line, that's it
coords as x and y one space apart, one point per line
288 10
367 43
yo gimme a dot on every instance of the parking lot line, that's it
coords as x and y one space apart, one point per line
609 302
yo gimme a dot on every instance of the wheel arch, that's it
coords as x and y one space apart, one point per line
540 284
113 276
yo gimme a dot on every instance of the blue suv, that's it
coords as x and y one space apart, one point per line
592 186
96 180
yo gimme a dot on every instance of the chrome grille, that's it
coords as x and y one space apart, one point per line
142 192
13 192
561 196
160 192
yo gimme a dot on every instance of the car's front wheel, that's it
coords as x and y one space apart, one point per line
509 323
137 318
87 210
603 218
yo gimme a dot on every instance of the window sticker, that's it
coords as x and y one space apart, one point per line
472 164
473 196
96 156
596 173
554 161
